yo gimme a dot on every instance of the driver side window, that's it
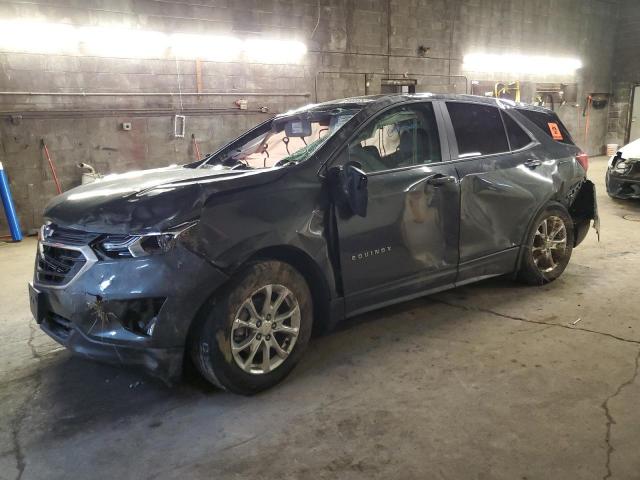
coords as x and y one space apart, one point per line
401 137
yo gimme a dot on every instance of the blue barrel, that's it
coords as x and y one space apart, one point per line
9 208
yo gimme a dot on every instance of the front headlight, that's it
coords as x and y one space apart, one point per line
622 167
133 246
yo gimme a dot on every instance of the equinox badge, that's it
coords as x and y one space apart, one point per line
370 253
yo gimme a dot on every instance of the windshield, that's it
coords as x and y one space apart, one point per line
285 140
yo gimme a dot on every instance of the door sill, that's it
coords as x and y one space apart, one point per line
404 298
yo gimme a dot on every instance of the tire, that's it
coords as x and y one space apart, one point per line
545 258
237 330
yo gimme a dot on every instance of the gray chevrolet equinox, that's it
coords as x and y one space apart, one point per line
313 216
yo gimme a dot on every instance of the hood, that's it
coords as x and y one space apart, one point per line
629 151
148 200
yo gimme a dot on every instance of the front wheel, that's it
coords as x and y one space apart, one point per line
548 249
256 329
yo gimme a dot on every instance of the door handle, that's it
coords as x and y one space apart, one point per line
532 163
438 179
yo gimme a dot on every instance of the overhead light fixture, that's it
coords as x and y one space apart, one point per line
118 41
37 37
122 42
207 47
274 51
512 63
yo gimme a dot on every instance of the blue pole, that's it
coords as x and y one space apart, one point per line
9 209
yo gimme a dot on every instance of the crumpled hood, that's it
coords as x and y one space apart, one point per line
148 200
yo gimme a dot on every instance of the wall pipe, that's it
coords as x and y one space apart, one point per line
160 94
402 75
19 115
394 55
9 208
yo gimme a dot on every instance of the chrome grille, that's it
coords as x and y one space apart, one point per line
57 265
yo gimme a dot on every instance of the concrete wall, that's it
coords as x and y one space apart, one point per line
626 71
356 43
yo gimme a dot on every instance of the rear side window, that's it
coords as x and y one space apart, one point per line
550 124
478 128
518 138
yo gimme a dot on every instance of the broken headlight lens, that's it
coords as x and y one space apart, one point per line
130 246
622 167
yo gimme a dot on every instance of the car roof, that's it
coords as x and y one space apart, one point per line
385 99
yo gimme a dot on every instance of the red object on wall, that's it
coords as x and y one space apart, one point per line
52 166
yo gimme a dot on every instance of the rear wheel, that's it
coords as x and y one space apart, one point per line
548 248
256 329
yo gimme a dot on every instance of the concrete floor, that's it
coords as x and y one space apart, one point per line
494 380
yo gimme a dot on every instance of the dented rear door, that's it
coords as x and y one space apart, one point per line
500 190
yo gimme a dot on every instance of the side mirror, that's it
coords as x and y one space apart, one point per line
349 189
355 186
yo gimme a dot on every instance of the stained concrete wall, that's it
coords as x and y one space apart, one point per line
355 45
626 71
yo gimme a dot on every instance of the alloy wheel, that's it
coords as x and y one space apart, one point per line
549 244
265 329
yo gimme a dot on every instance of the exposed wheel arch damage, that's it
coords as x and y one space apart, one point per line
318 285
324 320
583 209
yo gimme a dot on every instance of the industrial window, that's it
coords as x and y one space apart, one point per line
401 137
550 124
478 128
518 138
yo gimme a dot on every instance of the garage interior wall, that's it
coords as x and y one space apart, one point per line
626 68
352 46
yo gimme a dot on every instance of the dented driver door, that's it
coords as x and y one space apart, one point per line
407 244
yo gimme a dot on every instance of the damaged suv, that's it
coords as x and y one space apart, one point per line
623 172
316 215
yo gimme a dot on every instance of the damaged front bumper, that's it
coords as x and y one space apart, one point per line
133 311
623 177
622 186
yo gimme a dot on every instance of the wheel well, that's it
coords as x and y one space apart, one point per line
583 209
309 269
320 292
550 203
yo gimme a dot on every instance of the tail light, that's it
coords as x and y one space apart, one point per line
583 160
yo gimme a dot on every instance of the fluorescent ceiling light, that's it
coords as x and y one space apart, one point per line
37 37
117 41
274 51
532 64
127 42
206 47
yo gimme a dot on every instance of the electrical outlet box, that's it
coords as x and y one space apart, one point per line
179 126
126 126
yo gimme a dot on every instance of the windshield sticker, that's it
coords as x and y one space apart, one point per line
556 134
